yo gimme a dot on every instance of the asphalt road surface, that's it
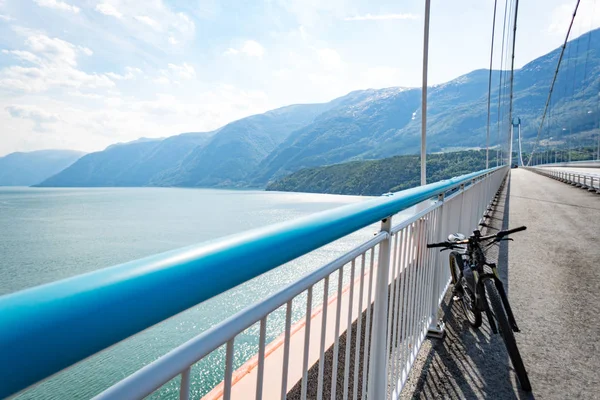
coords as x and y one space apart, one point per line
553 282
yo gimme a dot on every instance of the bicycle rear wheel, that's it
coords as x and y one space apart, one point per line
508 336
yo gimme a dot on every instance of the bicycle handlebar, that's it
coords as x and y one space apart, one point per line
499 235
509 231
443 244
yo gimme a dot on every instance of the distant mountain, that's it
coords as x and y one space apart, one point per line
365 124
128 164
26 169
231 156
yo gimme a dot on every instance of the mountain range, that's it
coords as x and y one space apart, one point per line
26 169
365 124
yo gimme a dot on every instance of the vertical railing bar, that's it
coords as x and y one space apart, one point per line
286 349
392 306
320 387
378 370
358 328
402 307
336 344
430 223
420 285
349 331
408 272
365 374
404 271
390 300
413 297
426 283
397 310
306 343
261 358
228 369
184 388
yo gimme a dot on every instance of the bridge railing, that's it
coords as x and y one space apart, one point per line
580 164
587 181
390 301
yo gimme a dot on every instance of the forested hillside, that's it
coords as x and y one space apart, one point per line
375 177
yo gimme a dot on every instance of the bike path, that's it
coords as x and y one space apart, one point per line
553 283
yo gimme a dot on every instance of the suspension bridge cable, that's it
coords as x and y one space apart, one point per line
562 52
500 83
487 139
506 72
512 79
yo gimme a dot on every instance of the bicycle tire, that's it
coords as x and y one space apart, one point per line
507 334
457 265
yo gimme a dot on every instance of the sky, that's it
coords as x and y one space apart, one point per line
83 74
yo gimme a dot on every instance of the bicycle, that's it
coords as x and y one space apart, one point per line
473 285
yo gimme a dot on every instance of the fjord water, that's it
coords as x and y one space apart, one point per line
51 234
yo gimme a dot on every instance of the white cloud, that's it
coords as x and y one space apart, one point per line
330 59
184 24
57 5
381 77
183 71
162 80
108 9
250 47
5 18
381 17
85 50
22 55
588 17
53 64
35 114
148 21
166 25
253 48
130 73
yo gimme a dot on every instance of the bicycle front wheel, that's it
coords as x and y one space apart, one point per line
467 297
506 331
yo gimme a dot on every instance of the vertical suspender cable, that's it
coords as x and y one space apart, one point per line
424 96
562 52
512 78
487 137
500 81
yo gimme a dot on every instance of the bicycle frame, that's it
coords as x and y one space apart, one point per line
474 258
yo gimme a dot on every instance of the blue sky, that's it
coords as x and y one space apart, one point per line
85 74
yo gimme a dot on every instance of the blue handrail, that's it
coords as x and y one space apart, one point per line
50 327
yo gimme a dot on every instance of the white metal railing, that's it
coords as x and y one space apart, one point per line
590 181
390 288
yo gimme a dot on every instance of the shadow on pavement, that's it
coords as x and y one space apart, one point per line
468 363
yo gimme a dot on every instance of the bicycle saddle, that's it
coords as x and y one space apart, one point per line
455 237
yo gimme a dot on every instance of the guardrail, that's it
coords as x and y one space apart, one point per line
51 327
591 182
580 164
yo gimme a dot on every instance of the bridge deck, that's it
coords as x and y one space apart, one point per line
553 283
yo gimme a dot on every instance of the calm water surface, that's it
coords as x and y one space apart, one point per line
50 234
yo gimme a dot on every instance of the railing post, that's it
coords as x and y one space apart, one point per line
378 364
436 325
